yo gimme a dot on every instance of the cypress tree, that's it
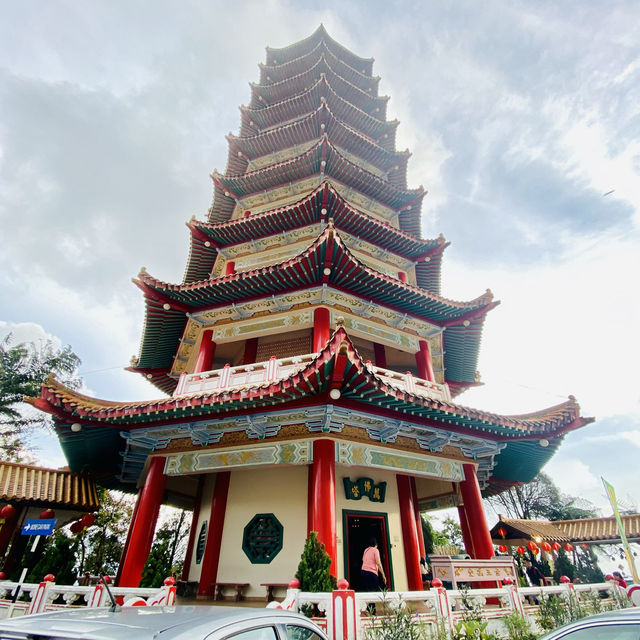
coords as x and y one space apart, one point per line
313 570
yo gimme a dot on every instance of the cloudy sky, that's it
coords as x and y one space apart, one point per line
524 125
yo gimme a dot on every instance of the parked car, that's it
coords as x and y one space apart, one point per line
177 623
623 624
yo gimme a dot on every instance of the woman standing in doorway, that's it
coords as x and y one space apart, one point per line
372 570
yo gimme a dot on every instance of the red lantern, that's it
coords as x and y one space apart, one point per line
502 548
520 550
546 547
47 514
568 547
555 546
76 528
7 512
532 546
502 532
585 545
87 520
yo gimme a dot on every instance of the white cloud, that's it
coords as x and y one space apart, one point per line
632 437
575 478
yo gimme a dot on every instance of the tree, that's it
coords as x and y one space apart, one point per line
106 538
450 534
563 566
59 558
313 570
161 562
587 568
23 369
452 531
540 498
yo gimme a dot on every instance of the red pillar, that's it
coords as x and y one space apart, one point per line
321 328
134 515
322 495
423 360
380 355
250 351
409 533
211 559
230 268
416 508
472 501
206 353
466 533
192 531
143 527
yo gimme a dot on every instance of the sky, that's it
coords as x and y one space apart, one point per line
523 122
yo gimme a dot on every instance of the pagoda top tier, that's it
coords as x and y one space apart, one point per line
316 113
319 37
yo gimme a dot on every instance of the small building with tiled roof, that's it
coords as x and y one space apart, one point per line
589 531
29 490
311 361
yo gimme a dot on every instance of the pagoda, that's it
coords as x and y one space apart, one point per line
310 360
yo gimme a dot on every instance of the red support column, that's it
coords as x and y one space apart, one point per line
211 559
322 495
466 533
206 353
414 497
250 351
409 533
230 268
143 527
423 360
134 515
477 522
380 355
192 531
321 328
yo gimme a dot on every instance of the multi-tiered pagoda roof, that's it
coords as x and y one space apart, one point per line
315 208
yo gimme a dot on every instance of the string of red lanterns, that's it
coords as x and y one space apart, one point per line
80 526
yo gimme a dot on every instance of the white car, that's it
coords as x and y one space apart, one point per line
622 624
178 623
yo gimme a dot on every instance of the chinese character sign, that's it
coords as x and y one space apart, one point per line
355 490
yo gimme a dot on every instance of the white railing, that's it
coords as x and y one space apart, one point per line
343 614
436 609
250 374
279 368
48 596
407 382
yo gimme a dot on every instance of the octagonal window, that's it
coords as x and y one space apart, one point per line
262 539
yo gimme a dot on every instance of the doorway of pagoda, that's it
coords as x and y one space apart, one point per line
359 527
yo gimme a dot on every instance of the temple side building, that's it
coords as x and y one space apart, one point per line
311 362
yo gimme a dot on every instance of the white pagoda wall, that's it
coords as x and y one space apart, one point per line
283 491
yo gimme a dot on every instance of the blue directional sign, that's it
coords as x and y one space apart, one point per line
38 527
